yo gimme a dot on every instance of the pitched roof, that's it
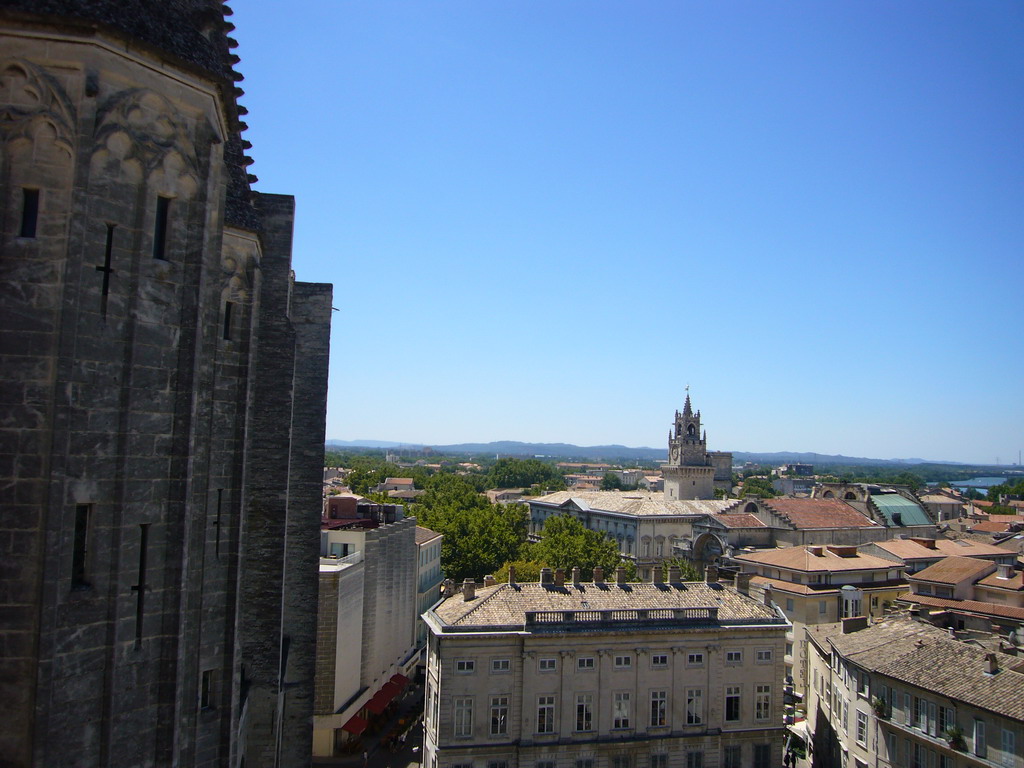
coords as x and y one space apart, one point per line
909 549
505 605
804 559
819 513
423 535
968 606
739 520
638 503
1014 583
925 656
892 505
953 570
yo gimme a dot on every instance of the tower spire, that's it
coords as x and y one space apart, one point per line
687 409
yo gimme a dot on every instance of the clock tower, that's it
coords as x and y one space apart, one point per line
691 471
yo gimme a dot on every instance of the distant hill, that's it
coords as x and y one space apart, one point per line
625 453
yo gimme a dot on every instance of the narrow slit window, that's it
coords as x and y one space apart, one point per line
140 588
163 206
106 270
229 307
217 522
29 212
80 546
206 692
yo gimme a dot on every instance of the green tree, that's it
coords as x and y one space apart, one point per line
611 482
687 570
522 473
758 486
526 571
476 540
565 543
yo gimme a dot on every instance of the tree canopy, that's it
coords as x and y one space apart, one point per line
523 473
566 543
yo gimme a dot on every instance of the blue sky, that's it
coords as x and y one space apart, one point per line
544 219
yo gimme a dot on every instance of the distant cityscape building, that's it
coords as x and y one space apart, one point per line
164 381
564 673
693 472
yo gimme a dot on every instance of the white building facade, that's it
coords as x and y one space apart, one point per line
598 675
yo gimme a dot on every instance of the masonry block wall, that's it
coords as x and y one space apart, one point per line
162 399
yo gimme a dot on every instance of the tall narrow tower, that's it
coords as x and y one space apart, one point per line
689 473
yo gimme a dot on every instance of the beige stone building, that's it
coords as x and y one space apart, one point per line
905 693
367 629
821 585
564 674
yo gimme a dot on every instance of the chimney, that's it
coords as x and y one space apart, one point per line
489 580
559 577
656 575
817 551
511 574
743 583
620 575
1005 570
711 574
991 665
575 575
598 575
673 574
545 576
468 590
768 595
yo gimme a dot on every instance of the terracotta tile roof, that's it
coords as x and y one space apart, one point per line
505 605
820 513
398 481
739 520
802 559
821 590
908 549
968 606
924 656
423 535
640 503
1014 583
953 570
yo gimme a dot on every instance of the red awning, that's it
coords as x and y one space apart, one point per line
391 690
377 704
400 680
355 725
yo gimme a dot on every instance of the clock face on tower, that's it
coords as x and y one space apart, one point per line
675 452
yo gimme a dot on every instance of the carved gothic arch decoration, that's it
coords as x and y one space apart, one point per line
35 100
140 130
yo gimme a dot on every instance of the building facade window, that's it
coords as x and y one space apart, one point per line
694 706
694 659
659 660
732 703
465 665
623 662
763 702
862 728
980 747
659 761
585 663
463 720
659 708
1009 748
545 714
584 712
732 756
501 665
29 212
499 715
548 665
734 657
762 756
695 759
620 710
764 656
